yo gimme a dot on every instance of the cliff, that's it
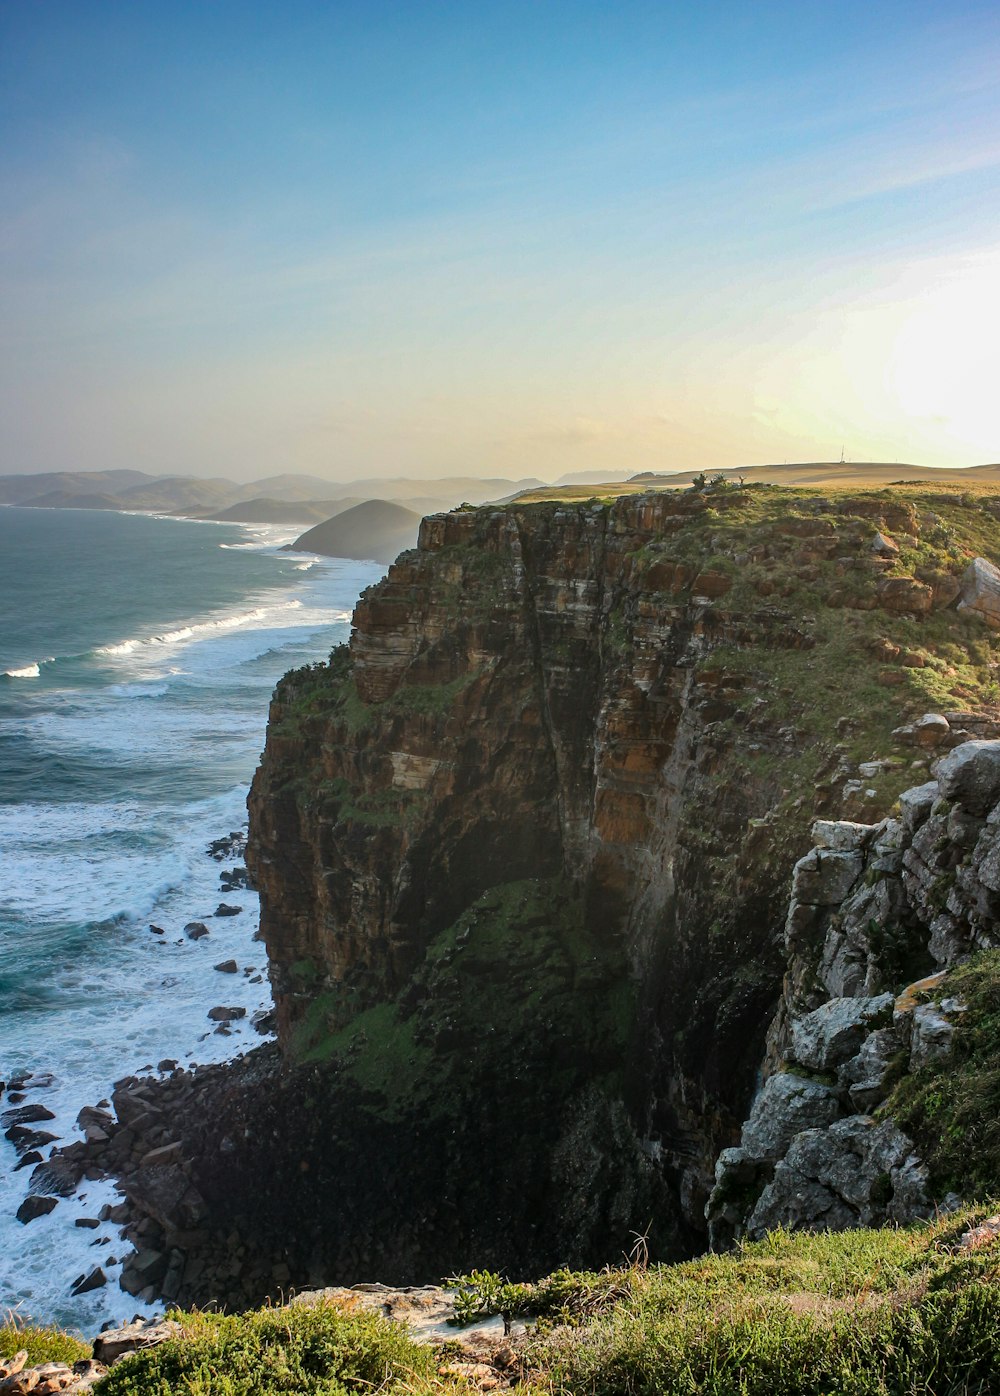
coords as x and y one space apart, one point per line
533 824
523 850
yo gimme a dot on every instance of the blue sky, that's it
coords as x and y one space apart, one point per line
363 239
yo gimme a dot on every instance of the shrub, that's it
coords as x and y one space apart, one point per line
309 1351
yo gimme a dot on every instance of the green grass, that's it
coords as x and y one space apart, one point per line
319 1351
951 1108
863 1313
430 699
41 1344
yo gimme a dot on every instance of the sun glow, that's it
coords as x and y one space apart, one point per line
944 366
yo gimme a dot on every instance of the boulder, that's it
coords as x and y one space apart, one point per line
824 878
132 1337
221 1014
870 1073
786 1105
144 1268
931 1036
195 930
970 775
931 729
981 592
26 1115
225 909
883 546
711 583
842 835
834 1032
916 804
226 967
94 1279
34 1206
856 1172
905 596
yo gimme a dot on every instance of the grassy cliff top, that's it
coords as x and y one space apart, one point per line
910 1312
824 477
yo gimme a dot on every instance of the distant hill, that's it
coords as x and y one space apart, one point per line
66 499
281 511
377 529
18 489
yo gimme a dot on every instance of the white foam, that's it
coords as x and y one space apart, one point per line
29 671
194 629
82 880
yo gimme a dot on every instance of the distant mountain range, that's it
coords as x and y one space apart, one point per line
263 501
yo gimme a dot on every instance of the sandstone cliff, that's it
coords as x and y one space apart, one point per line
523 851
533 823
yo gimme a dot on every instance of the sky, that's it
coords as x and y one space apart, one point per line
364 238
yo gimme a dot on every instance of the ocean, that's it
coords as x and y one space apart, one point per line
137 659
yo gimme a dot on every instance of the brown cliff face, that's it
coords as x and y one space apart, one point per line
635 709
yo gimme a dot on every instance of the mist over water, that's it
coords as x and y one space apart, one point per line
137 659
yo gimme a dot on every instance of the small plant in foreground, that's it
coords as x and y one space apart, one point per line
45 1344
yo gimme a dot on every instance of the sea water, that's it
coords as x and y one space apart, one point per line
137 658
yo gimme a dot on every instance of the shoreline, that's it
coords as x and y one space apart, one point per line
65 1172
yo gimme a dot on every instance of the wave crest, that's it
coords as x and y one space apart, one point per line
29 671
195 629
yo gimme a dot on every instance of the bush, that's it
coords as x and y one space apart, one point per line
309 1351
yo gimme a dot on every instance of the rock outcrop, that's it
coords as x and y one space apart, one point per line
871 906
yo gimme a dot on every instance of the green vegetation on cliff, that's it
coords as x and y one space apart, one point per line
516 981
41 1344
862 1313
951 1106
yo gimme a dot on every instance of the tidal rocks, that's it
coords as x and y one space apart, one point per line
222 1014
196 930
26 1115
93 1279
34 1206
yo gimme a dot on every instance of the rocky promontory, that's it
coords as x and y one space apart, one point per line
523 848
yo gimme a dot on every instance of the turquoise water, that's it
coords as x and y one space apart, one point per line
137 658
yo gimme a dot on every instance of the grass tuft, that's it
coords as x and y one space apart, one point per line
42 1344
